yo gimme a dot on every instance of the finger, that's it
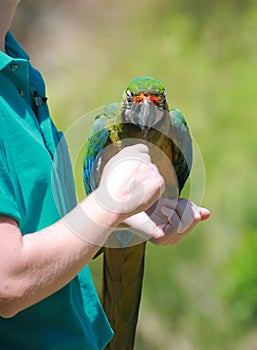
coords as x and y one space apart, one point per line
177 221
183 204
168 206
180 207
172 224
199 213
205 213
187 222
191 216
142 225
139 147
171 234
137 152
169 203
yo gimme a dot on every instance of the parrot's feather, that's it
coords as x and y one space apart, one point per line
183 163
123 275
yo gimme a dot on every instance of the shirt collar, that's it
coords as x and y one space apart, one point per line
13 51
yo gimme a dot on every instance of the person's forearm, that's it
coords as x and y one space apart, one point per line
45 261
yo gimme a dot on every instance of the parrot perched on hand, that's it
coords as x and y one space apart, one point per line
142 116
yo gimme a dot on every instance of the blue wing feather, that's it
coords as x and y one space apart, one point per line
184 142
95 144
97 141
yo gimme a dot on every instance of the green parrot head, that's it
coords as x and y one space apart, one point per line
144 103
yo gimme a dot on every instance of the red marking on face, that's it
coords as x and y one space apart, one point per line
152 98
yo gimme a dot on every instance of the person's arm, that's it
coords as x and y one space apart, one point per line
36 265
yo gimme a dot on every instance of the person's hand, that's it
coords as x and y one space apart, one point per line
176 218
168 221
130 182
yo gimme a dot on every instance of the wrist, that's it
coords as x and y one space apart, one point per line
92 222
100 212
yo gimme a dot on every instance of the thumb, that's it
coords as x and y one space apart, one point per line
143 226
205 213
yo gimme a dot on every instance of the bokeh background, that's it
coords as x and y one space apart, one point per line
202 293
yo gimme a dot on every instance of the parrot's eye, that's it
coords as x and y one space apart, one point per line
162 99
129 96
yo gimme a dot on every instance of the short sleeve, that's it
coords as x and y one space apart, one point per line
8 205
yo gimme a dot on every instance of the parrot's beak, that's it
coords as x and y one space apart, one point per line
147 116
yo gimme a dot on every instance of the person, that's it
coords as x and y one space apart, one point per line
47 297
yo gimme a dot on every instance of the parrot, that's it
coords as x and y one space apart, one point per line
142 116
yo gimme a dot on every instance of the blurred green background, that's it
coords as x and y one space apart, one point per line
202 293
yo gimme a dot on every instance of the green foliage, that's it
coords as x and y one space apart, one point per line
241 279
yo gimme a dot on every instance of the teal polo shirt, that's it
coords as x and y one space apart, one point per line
37 189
